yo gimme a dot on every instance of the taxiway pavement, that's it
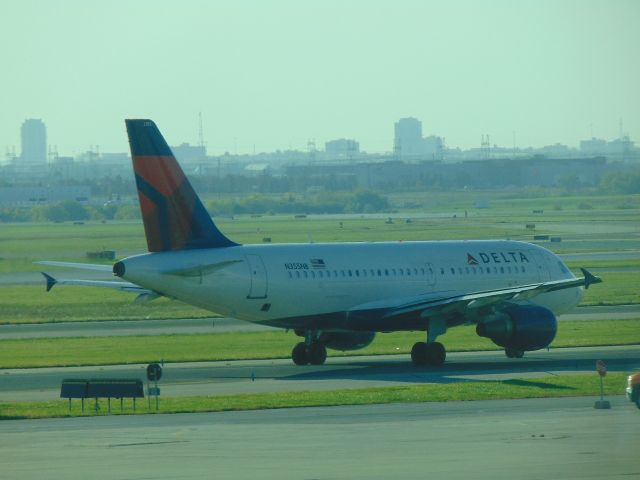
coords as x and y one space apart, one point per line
257 376
484 440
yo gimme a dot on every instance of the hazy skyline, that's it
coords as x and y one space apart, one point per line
274 74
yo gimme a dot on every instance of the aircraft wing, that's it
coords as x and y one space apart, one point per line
458 305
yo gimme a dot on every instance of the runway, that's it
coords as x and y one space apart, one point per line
221 325
256 376
485 440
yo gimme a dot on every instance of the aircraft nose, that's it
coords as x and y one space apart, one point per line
118 269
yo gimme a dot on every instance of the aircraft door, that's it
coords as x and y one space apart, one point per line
258 277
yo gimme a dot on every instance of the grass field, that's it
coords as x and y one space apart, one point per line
42 352
31 304
21 244
544 387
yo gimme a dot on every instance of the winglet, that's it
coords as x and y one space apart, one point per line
589 278
50 281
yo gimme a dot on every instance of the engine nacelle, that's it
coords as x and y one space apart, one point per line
346 340
521 327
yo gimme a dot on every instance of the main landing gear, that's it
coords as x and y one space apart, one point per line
512 353
432 354
314 353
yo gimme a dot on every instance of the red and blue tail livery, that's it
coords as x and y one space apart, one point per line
173 215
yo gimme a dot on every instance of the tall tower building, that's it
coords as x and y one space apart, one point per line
408 137
34 141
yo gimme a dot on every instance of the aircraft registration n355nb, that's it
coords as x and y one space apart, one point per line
336 295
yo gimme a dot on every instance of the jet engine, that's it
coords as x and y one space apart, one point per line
520 328
346 340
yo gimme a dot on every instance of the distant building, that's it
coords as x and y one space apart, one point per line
619 149
189 153
409 143
432 147
595 146
342 147
34 141
408 137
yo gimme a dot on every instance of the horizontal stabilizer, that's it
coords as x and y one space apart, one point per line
116 285
81 266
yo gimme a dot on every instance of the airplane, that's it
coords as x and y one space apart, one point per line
335 295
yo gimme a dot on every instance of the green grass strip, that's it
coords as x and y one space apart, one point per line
32 304
544 387
617 288
43 352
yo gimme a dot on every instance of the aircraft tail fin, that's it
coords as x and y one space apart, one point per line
173 215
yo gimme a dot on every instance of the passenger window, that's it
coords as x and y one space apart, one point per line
350 274
453 271
408 272
386 272
379 273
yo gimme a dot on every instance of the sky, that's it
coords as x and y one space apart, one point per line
275 74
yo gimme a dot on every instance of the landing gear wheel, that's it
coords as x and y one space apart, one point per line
433 354
419 353
316 353
512 353
299 354
436 354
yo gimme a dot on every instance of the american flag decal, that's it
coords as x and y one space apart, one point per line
317 263
471 260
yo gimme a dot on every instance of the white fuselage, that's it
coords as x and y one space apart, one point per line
277 282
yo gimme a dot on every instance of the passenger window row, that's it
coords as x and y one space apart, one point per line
403 272
362 273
